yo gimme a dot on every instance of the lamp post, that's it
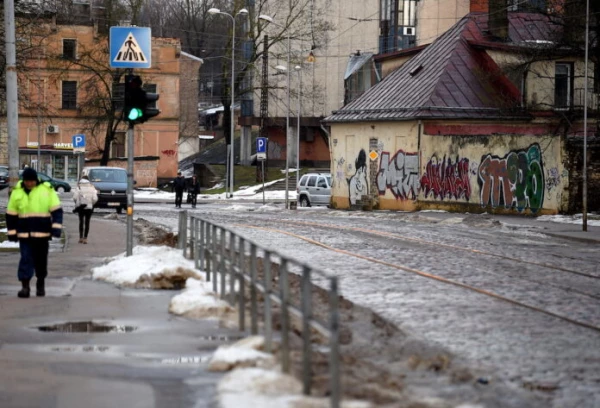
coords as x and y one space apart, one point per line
229 172
298 69
585 106
287 115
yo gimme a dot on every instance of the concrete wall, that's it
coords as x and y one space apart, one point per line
399 166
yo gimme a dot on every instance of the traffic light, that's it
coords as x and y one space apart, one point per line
139 104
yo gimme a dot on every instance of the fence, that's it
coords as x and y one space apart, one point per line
215 251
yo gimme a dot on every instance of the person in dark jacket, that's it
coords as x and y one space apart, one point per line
179 187
33 216
194 189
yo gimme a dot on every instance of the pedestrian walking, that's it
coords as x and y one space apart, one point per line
85 196
179 186
33 216
194 189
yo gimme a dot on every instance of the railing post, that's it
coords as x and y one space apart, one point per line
202 245
253 298
214 259
207 250
195 241
306 318
241 296
180 236
268 314
193 237
232 274
183 232
285 317
334 354
222 269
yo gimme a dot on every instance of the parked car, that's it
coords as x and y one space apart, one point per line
111 185
314 189
60 186
3 177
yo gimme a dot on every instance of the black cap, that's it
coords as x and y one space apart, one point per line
29 174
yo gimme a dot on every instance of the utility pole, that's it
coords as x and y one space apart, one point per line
12 101
585 106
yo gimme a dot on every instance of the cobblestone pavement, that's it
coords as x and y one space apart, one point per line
540 334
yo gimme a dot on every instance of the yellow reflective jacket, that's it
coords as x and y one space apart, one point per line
34 215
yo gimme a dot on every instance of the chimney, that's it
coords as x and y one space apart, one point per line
479 6
498 19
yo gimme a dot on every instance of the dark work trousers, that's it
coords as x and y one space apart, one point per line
178 198
84 218
34 256
194 197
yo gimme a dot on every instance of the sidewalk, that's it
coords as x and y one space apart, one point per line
152 359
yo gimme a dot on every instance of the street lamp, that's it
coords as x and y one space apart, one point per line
287 116
298 69
229 172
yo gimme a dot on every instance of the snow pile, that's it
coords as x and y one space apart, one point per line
244 353
199 301
576 219
149 267
257 387
8 244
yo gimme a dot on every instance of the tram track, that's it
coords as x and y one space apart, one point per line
435 277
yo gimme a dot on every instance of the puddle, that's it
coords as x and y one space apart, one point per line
221 338
79 349
86 327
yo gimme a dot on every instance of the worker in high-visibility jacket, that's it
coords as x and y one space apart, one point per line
33 216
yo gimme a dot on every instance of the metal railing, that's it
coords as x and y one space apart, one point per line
227 257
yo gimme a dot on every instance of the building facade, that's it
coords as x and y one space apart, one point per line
68 88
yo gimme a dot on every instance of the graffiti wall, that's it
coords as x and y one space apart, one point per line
515 180
521 174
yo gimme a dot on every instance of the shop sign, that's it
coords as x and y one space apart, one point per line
63 146
32 145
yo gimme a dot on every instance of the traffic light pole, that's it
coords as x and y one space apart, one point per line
130 189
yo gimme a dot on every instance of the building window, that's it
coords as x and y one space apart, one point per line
118 95
69 94
563 85
151 88
117 147
69 49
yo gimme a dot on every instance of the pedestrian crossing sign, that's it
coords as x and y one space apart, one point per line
130 47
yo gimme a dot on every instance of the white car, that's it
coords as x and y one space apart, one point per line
314 189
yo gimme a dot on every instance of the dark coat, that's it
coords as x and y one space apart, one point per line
194 187
179 184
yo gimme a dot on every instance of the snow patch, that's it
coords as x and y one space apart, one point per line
244 353
149 267
199 301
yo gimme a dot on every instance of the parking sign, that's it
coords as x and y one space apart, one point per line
261 148
79 143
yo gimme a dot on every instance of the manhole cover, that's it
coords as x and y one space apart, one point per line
86 327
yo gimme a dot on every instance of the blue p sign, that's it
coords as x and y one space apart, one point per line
261 145
79 140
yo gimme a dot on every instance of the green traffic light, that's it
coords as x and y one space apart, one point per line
134 114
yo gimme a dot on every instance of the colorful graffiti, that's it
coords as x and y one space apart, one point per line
169 153
552 178
514 181
444 179
400 174
357 184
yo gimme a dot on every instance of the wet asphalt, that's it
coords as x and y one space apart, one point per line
159 361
